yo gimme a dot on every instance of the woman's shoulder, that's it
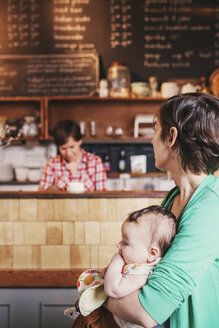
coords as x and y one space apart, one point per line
208 189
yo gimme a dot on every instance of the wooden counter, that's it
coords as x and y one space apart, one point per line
39 278
88 194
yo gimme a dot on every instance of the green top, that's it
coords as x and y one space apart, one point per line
185 284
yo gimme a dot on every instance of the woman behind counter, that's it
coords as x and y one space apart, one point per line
73 163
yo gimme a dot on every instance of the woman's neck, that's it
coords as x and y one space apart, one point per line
187 183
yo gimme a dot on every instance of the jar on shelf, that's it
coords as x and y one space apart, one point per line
106 162
103 90
118 77
29 128
122 161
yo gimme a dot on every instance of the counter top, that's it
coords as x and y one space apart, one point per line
88 194
39 278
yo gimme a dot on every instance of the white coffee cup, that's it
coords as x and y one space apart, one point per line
76 186
169 89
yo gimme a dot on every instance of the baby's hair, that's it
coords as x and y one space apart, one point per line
162 224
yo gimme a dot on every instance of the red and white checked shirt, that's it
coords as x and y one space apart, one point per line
90 171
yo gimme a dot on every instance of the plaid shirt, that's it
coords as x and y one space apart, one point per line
90 171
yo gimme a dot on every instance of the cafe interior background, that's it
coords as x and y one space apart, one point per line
111 64
108 65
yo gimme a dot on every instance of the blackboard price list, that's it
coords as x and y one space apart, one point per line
23 24
43 75
121 23
167 24
71 24
216 40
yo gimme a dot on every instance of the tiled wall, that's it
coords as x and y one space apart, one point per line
62 233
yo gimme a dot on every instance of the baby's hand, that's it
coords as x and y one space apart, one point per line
118 259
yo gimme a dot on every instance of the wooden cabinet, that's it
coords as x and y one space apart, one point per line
115 112
19 107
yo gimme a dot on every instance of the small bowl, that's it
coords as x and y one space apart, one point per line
34 175
21 173
140 89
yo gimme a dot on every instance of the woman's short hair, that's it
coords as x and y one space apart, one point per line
65 129
196 117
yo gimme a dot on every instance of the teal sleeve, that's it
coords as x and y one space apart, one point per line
191 255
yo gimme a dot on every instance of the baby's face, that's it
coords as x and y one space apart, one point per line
135 242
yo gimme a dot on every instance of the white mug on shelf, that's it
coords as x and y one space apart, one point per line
169 89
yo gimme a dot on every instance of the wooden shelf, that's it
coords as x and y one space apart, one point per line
18 107
108 99
115 175
115 112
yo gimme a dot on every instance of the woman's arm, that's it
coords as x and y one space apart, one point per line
130 309
116 285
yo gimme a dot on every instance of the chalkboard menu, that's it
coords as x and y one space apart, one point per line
163 38
43 75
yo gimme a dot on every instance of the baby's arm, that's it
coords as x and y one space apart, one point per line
117 286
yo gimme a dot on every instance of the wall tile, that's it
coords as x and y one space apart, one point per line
79 256
112 209
79 232
22 257
6 233
45 209
105 255
110 233
28 209
124 207
18 233
3 209
36 257
97 209
13 209
82 209
94 257
141 203
92 233
154 201
55 257
65 209
6 256
34 233
53 233
68 233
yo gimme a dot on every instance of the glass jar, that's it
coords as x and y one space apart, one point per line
118 77
30 128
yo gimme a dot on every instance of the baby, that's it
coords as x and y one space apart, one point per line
146 236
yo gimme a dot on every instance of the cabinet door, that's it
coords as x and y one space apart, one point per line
36 307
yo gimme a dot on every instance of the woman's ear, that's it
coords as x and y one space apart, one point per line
153 254
171 140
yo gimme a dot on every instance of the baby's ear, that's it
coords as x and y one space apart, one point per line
153 254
